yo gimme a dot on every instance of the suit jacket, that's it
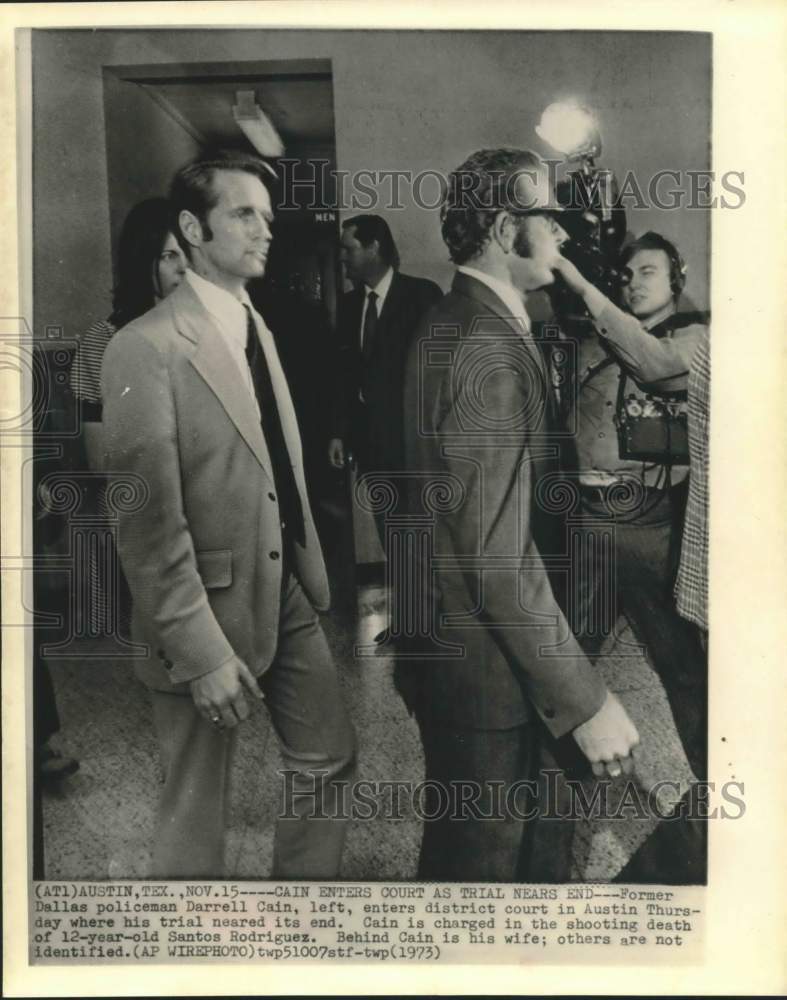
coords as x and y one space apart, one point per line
202 550
480 414
374 429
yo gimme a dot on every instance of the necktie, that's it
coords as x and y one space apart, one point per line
369 326
283 476
367 341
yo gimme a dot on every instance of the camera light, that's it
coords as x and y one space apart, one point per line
570 129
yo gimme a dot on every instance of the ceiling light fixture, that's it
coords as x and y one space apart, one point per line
256 126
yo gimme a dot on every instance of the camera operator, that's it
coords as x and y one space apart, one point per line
638 365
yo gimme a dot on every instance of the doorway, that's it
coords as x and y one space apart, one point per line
159 117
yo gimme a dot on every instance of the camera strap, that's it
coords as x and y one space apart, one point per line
595 369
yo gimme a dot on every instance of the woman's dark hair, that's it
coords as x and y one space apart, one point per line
142 237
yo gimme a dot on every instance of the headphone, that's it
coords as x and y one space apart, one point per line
654 241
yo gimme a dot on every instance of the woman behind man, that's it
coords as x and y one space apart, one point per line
150 265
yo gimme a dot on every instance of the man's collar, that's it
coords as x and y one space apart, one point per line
216 299
504 290
229 313
382 286
659 317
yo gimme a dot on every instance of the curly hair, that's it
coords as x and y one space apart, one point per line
477 191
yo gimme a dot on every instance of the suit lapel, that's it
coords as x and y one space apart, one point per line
464 284
218 369
352 320
391 303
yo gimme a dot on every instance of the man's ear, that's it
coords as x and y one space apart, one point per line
191 228
504 231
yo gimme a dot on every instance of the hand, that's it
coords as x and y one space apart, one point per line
570 274
607 739
336 453
219 694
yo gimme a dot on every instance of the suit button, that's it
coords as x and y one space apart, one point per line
272 496
549 713
168 664
274 555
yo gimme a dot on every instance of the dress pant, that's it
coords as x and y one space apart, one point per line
375 452
474 791
303 698
639 582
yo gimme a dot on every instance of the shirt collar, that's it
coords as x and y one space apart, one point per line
659 317
381 289
228 311
503 290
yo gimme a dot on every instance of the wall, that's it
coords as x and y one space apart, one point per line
144 146
418 102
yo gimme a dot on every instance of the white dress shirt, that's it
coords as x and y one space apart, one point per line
503 290
231 318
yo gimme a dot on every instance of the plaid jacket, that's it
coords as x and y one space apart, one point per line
691 587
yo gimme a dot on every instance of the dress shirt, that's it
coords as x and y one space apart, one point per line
381 290
231 318
503 290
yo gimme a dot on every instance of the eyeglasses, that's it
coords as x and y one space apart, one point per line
524 213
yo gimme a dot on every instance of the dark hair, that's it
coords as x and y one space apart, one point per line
369 228
192 186
477 191
142 237
654 241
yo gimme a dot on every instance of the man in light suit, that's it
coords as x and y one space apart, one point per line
221 554
481 420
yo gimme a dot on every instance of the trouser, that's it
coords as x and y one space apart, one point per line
317 742
476 807
638 582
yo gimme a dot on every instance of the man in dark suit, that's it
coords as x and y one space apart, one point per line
376 324
480 430
220 549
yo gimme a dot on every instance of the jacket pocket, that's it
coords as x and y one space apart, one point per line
215 568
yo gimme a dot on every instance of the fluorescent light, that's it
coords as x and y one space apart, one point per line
256 125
